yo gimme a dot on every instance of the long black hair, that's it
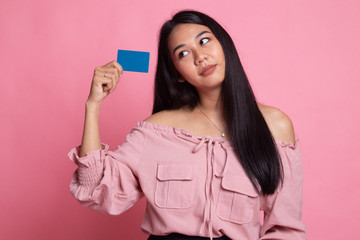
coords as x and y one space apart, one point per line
250 135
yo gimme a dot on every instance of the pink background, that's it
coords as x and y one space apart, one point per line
301 56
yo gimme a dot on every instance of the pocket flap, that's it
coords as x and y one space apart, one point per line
174 172
239 184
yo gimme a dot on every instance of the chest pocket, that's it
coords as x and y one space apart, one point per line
175 186
238 199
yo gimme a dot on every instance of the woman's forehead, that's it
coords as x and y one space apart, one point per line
185 32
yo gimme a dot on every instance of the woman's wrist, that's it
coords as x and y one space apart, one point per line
91 106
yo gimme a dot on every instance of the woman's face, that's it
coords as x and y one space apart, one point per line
197 55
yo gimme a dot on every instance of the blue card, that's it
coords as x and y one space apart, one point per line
134 61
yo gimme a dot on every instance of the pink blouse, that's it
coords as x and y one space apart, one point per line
193 186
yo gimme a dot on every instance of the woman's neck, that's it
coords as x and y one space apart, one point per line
210 103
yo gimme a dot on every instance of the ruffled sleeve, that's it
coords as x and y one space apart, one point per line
283 209
107 180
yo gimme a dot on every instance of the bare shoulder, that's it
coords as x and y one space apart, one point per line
279 123
167 117
157 118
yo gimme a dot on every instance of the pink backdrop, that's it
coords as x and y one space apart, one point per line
301 56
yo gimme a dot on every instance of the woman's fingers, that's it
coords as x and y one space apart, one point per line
102 84
111 76
115 68
119 68
112 69
105 80
116 65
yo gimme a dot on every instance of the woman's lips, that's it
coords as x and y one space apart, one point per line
206 71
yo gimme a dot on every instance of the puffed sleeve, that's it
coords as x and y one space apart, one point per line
283 209
107 180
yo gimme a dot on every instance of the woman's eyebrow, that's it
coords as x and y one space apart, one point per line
196 37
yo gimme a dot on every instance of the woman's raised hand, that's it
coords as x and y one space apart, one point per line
104 81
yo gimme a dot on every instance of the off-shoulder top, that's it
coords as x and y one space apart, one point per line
192 185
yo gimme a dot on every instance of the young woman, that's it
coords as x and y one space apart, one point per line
208 160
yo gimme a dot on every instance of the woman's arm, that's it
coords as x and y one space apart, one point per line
104 82
283 209
105 180
91 136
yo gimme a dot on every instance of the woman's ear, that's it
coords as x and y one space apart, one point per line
181 80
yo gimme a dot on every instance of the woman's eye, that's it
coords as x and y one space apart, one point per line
204 41
183 54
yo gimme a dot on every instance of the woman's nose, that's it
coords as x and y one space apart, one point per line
200 57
